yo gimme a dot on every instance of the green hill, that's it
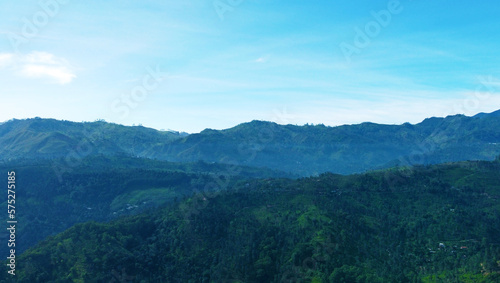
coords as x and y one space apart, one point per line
437 223
101 188
304 150
48 138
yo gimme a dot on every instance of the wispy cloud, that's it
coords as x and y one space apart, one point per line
39 65
261 59
334 112
5 59
60 74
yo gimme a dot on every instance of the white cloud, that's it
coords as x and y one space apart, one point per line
5 59
60 74
39 65
43 58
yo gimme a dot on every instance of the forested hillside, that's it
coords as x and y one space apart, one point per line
304 150
102 188
436 223
48 138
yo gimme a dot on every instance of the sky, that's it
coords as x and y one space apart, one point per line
195 64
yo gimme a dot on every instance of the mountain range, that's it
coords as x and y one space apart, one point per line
100 202
301 150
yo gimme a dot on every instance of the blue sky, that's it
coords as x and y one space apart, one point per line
196 64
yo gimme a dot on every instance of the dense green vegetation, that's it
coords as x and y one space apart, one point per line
49 138
133 204
101 188
436 223
305 150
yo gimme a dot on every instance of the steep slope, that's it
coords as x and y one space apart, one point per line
423 224
102 188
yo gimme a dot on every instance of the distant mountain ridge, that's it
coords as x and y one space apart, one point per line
49 138
304 150
493 114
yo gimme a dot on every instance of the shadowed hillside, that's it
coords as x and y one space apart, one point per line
424 224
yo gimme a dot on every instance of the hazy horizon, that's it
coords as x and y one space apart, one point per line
212 128
193 65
